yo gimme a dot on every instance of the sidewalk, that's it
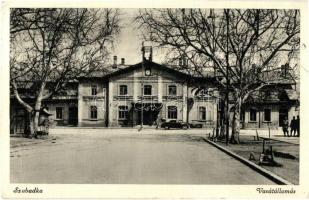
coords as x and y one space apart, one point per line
107 131
275 134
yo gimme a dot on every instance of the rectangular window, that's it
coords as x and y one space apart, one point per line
123 90
267 115
219 105
93 112
123 112
202 113
58 112
172 112
242 116
94 90
147 89
253 115
172 90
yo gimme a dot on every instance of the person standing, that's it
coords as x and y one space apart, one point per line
293 126
158 121
297 125
285 126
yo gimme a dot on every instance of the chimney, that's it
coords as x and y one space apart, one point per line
115 62
284 69
122 61
180 61
150 54
184 62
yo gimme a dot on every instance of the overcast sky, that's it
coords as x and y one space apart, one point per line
129 43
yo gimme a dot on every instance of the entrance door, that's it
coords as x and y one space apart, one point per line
73 116
283 113
18 123
149 117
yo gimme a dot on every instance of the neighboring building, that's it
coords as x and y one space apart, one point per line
63 107
118 99
269 106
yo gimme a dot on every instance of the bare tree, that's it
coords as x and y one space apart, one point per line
237 44
56 46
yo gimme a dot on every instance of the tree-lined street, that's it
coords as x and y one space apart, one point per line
108 157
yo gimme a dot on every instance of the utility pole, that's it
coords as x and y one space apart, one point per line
227 12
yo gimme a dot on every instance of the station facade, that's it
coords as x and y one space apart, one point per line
149 93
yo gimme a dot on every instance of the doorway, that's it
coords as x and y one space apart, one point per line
73 119
149 118
283 113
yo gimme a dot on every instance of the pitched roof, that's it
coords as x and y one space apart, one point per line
105 71
112 71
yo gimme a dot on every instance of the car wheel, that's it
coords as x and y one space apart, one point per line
184 127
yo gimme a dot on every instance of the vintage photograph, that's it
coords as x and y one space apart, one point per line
188 96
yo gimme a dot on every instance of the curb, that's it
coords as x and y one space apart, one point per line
277 179
35 141
266 138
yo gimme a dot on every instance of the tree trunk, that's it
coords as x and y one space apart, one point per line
32 124
222 123
34 115
236 123
222 132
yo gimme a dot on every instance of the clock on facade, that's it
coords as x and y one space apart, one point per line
147 72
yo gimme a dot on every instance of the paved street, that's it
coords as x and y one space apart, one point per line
131 158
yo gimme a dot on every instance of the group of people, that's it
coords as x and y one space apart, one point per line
294 125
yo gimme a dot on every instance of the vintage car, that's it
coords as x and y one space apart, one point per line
194 124
174 124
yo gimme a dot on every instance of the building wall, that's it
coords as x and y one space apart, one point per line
160 81
64 121
211 113
108 99
260 122
86 100
18 114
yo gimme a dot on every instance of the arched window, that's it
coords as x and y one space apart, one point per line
147 89
123 90
172 112
202 113
93 112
